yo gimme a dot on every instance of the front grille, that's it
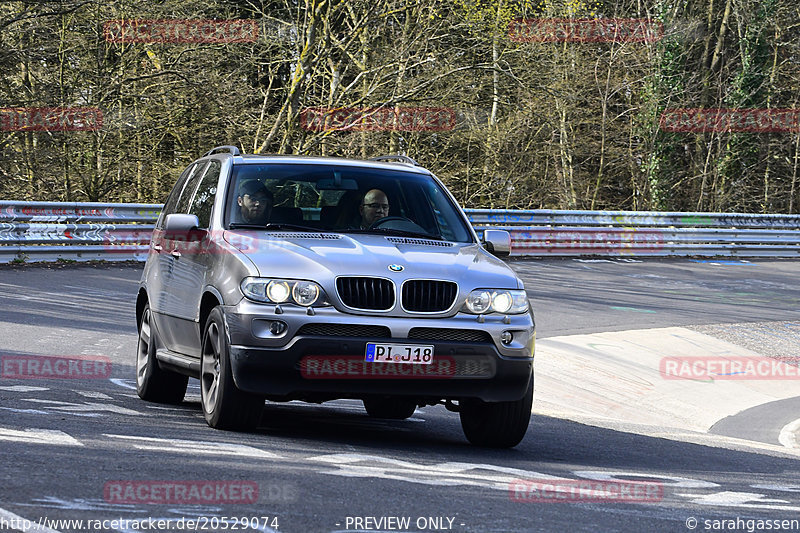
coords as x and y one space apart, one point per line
345 330
428 295
375 294
448 334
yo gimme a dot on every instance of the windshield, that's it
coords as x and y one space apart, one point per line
343 199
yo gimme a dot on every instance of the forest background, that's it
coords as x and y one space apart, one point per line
537 122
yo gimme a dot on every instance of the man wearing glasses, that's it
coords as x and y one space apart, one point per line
255 203
374 206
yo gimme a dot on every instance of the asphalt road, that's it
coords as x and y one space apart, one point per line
68 445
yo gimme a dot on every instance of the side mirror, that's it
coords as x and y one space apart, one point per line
183 227
497 242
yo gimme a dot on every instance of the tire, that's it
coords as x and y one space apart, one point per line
224 405
497 425
390 407
154 384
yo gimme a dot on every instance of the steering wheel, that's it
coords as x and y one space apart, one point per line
385 220
400 224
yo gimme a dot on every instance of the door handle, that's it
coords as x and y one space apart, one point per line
175 253
157 247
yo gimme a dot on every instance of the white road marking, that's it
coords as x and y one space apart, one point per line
782 488
23 388
741 500
26 411
124 383
84 407
788 435
80 504
94 395
11 518
194 446
38 436
445 474
673 481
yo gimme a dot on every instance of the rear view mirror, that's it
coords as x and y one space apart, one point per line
329 184
497 241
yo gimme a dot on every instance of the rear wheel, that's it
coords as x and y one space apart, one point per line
390 407
497 424
224 405
152 382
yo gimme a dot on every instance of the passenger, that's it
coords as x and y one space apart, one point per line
374 206
255 203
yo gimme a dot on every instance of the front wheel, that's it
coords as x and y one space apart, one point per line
497 424
153 383
224 405
389 407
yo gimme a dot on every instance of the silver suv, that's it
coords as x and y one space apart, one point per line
300 278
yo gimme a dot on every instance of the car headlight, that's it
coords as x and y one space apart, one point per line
508 302
300 292
305 292
278 291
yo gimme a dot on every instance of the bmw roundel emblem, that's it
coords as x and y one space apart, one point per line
396 268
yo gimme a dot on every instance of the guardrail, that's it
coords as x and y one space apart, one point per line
48 231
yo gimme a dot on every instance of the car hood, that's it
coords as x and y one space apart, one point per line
322 257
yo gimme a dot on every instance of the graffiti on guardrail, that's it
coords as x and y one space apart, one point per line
633 219
53 230
50 213
586 241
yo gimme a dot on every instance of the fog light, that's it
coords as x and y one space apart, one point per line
506 337
277 327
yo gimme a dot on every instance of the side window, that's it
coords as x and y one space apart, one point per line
203 200
172 199
189 188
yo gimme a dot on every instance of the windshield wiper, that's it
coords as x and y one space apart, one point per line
398 232
281 225
244 225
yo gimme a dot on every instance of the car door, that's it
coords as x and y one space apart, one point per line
191 265
166 303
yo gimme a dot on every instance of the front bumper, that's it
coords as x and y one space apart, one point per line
300 366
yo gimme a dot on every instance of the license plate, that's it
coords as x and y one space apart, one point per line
412 354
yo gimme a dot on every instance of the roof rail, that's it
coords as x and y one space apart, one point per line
392 157
227 148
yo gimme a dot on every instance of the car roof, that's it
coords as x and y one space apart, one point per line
250 159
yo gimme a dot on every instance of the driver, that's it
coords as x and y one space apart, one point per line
374 206
255 202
